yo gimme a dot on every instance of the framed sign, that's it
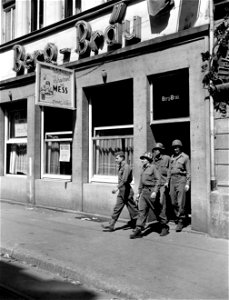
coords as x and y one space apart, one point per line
54 86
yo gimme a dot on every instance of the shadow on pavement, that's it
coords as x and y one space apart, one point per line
19 279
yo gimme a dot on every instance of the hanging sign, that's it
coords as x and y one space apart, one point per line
54 86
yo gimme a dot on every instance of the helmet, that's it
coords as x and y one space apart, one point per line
176 143
159 146
147 155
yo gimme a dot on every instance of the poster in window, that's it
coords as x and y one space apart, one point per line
54 86
171 95
65 152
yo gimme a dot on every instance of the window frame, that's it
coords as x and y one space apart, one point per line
10 7
166 120
11 141
95 177
45 175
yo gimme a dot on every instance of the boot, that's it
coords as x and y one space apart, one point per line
179 226
132 223
110 226
137 233
165 230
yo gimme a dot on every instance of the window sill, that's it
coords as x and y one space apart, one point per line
105 179
56 178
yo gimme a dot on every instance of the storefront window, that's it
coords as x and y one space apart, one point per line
16 142
107 141
111 127
57 146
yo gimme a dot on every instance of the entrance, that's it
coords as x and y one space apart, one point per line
167 132
169 100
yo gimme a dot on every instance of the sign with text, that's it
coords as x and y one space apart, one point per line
55 86
171 95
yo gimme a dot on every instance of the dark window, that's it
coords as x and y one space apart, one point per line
171 95
37 14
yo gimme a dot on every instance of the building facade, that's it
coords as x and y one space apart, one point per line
81 80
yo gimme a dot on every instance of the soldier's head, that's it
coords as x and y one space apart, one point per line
146 158
177 146
158 149
119 156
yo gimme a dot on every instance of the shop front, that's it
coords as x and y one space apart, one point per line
61 125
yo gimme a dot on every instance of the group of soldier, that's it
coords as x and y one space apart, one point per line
164 181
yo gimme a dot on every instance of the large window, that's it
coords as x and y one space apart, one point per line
111 128
8 20
16 139
57 143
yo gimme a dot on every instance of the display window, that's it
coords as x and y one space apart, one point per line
56 143
16 139
110 132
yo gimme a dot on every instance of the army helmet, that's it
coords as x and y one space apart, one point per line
159 146
147 155
177 143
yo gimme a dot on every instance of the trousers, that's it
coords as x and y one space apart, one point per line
178 196
125 197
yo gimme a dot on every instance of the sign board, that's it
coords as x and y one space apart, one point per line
54 86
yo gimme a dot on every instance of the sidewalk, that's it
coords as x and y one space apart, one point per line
185 265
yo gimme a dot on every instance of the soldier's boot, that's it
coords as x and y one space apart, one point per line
110 226
137 233
132 223
180 226
164 230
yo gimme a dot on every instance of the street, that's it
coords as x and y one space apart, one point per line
185 265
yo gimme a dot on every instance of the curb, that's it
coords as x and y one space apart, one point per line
55 267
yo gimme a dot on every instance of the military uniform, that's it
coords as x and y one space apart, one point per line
162 164
149 183
179 177
126 193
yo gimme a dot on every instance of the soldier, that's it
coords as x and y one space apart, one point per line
147 191
161 161
179 180
125 195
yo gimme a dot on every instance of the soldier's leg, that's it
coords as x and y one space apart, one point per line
181 197
132 207
116 212
173 197
163 212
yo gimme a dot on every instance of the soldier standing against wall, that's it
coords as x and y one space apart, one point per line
179 180
161 161
125 195
147 191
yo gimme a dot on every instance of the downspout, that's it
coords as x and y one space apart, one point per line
213 181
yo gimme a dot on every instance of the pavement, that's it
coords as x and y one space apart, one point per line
181 265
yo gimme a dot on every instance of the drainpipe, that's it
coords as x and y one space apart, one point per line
213 181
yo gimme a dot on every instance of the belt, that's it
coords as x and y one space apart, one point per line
178 175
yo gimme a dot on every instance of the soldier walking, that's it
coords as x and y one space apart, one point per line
161 161
179 180
125 194
147 191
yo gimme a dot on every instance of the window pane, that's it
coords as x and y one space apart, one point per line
17 159
171 95
104 154
18 124
58 141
